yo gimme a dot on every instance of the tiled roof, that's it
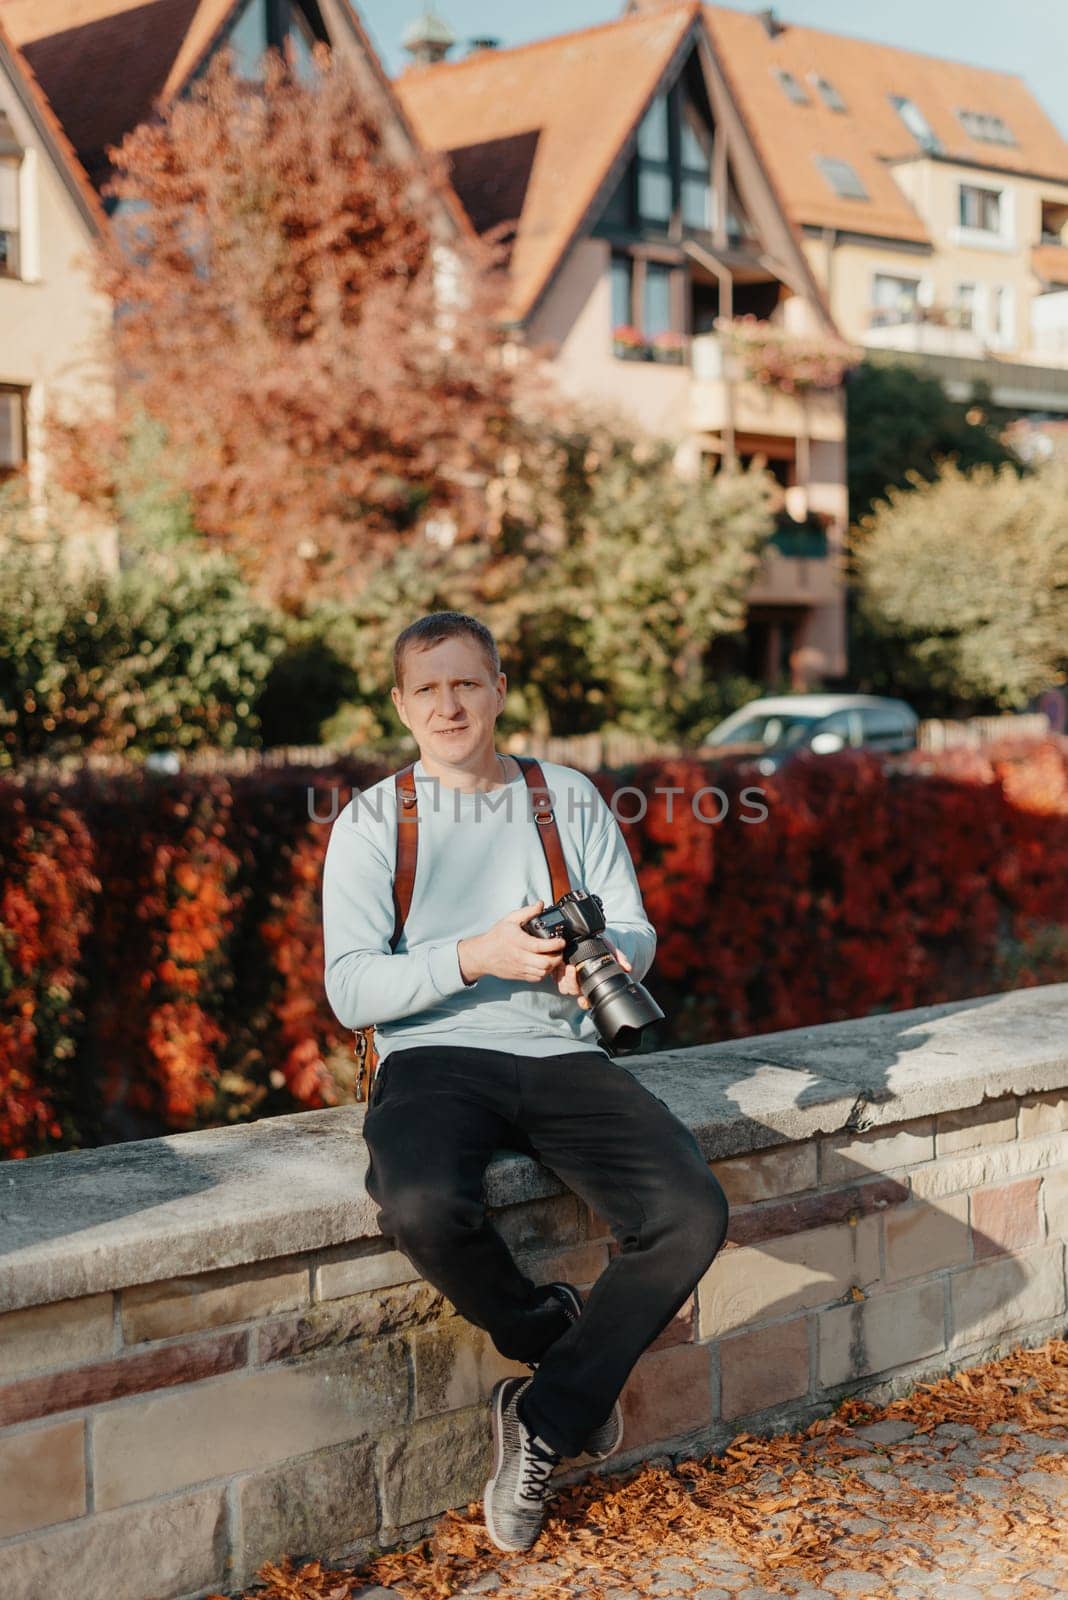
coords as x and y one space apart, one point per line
106 63
53 134
102 63
870 132
581 93
1050 262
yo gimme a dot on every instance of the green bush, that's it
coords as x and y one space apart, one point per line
170 651
963 587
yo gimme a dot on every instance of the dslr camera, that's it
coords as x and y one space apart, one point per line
621 1009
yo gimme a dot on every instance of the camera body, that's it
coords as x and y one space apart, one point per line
621 1008
574 916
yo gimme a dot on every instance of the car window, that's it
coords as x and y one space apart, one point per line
840 722
777 728
884 726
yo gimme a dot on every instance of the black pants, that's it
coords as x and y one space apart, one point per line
435 1117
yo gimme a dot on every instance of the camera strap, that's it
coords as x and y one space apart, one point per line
404 877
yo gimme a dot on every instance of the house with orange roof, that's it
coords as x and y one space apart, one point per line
75 77
51 320
931 199
639 218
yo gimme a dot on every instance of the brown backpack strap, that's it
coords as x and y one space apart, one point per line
546 821
407 848
404 877
403 885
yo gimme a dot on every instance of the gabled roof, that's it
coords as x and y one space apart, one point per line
869 134
105 64
581 94
102 63
15 67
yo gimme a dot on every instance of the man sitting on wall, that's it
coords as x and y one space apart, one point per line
484 1042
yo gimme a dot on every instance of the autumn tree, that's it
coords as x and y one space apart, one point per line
325 368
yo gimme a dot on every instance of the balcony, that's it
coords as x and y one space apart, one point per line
919 330
721 398
796 569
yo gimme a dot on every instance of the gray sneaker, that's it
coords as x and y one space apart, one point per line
514 1498
606 1439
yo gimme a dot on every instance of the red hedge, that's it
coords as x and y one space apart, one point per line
161 943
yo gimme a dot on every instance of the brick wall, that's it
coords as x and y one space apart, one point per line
166 1438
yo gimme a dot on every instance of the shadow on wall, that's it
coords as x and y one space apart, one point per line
936 1231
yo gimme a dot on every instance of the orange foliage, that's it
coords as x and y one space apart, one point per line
871 886
297 315
46 889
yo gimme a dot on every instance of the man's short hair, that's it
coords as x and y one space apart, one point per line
435 628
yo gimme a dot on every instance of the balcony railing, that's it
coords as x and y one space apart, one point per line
806 539
723 396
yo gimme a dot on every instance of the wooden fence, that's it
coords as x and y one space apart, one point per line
590 752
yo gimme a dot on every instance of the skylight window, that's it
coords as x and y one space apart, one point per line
842 178
984 125
828 93
791 87
917 124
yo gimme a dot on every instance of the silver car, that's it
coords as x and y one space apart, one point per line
773 729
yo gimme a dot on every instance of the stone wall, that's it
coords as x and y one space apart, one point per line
209 1357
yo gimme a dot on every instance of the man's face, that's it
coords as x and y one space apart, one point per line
450 701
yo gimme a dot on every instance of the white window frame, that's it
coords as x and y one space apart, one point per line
22 391
980 238
892 277
975 302
1003 338
12 167
29 220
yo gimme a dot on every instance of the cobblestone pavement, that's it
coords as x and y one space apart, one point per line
957 1491
954 1539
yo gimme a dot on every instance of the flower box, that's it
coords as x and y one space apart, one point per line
768 355
669 346
629 344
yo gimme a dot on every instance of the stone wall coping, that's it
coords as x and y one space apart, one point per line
84 1222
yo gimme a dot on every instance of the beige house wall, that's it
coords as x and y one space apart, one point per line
52 321
572 329
573 326
846 267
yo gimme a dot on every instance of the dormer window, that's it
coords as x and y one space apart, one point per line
985 126
791 87
842 178
917 124
827 93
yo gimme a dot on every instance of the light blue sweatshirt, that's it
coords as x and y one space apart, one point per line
479 858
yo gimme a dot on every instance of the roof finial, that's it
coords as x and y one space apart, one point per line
429 38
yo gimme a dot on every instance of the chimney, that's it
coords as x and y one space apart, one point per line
429 39
772 26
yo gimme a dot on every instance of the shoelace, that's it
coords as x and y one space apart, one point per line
537 1465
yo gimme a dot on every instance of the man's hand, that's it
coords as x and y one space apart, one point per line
505 951
567 977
